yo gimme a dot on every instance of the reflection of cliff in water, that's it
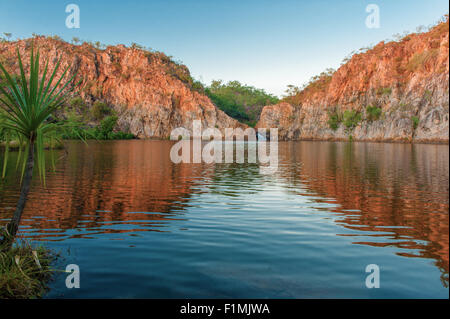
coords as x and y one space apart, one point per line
398 191
105 182
394 194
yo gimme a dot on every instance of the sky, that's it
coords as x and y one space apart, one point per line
266 44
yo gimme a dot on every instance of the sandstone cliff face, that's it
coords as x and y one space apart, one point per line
150 92
407 80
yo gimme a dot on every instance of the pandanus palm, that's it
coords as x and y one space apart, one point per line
26 105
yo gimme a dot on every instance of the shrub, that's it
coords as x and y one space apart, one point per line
105 131
76 102
100 110
198 86
120 136
108 123
76 105
180 72
334 119
373 113
351 118
415 121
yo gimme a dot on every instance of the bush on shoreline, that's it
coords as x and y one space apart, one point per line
105 131
24 270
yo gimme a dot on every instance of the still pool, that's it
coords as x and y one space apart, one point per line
140 226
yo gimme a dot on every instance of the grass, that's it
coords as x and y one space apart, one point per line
419 60
428 95
24 270
384 91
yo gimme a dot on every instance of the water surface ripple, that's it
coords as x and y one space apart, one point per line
140 226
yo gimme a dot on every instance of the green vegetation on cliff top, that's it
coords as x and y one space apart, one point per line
241 102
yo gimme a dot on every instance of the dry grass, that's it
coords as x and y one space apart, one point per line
419 60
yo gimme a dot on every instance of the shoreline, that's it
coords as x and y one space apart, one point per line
392 141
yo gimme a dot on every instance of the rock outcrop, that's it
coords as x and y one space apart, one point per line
406 80
151 93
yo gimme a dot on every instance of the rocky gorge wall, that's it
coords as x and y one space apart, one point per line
407 80
151 94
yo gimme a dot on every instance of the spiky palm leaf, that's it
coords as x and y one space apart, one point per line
28 102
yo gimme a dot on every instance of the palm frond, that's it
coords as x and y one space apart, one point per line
26 103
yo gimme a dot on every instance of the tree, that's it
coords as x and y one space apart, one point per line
75 40
8 35
239 101
98 45
27 104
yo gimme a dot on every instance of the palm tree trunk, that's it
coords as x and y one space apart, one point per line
13 225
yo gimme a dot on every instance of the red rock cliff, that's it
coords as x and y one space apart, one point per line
407 80
151 93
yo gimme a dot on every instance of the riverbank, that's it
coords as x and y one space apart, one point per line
14 145
25 271
395 141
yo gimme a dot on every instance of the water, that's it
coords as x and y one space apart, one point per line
140 226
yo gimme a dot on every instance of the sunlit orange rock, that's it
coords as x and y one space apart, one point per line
152 94
406 79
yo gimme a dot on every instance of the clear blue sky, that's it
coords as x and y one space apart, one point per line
267 44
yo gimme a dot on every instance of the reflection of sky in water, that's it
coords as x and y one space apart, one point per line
128 216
